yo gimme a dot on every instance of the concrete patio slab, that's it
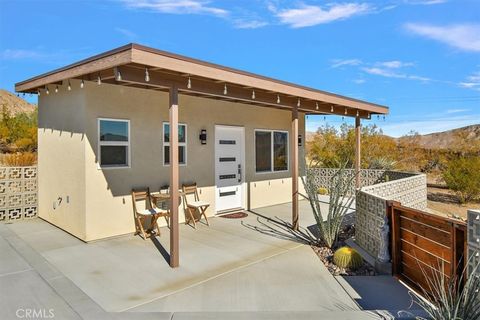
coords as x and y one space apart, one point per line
249 270
290 281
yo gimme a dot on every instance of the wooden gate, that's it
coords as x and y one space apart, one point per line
424 243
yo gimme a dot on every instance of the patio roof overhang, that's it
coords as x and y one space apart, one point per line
128 66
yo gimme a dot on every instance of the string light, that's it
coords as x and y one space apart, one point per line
253 94
345 111
118 75
278 98
324 118
225 90
358 113
189 83
316 105
147 75
99 80
378 117
384 118
331 109
47 91
69 87
82 84
298 103
38 92
369 116
56 89
343 118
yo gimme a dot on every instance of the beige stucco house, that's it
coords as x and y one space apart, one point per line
104 128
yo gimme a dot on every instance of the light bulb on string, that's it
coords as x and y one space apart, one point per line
147 75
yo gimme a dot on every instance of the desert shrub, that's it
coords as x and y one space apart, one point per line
329 225
18 131
347 257
332 147
18 159
462 175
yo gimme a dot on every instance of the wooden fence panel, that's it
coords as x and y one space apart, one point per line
424 244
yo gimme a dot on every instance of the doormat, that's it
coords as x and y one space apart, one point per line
235 215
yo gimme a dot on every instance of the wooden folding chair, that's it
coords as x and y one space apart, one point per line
149 210
194 205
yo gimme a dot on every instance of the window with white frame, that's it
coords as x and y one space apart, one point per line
271 151
114 143
182 143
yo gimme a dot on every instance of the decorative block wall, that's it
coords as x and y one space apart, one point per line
18 193
368 177
371 205
473 236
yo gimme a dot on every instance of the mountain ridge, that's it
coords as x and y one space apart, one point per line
14 104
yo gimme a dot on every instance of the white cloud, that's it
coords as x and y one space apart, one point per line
127 33
249 24
359 81
389 73
462 36
14 54
177 6
472 81
394 64
450 111
309 15
425 2
336 63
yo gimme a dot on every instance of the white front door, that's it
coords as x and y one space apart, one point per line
229 167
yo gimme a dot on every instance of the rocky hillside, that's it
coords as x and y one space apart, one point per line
15 104
447 139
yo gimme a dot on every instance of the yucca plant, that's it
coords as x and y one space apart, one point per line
447 299
329 225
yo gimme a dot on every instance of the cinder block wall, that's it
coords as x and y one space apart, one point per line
371 204
473 236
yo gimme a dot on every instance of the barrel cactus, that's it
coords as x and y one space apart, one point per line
322 191
347 258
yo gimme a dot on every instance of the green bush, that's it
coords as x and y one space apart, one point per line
462 175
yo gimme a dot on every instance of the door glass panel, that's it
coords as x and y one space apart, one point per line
227 142
228 193
227 176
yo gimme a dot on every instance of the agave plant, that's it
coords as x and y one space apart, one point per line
447 299
341 199
382 163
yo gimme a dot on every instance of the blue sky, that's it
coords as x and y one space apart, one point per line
419 57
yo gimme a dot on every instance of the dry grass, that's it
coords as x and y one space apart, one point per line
18 159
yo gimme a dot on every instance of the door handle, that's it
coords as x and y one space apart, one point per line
239 173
